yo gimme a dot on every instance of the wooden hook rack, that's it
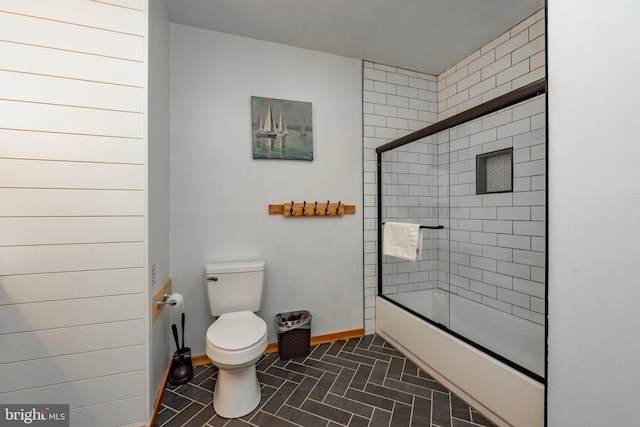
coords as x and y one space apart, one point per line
314 208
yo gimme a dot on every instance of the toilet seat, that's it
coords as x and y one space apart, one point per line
236 331
236 338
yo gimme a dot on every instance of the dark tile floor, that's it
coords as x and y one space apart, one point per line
358 382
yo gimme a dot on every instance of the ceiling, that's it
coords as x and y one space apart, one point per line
421 35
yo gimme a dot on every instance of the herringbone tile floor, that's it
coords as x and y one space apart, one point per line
358 382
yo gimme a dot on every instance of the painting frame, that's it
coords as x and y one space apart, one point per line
281 129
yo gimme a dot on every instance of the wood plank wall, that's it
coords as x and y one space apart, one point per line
73 150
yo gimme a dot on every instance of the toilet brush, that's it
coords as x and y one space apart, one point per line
185 352
181 370
183 330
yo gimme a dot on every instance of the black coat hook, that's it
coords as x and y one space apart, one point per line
315 208
303 206
291 209
326 210
338 208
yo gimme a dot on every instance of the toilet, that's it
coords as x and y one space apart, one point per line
238 338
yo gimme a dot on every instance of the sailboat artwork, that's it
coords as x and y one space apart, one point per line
268 129
282 126
290 137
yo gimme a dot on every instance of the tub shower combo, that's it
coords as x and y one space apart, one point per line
472 309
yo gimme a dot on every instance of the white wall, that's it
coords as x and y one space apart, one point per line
594 213
73 294
220 195
158 107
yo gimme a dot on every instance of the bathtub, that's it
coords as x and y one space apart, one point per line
516 339
503 394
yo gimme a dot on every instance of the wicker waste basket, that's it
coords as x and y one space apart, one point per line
294 334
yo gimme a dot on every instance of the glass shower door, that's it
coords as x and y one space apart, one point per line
482 275
413 192
497 232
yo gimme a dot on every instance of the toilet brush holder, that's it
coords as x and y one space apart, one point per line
181 370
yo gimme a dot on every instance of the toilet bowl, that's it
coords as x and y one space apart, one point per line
238 338
234 343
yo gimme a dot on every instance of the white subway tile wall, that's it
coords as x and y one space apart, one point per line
513 60
492 248
494 240
410 189
396 102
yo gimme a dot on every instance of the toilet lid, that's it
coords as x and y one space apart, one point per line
236 331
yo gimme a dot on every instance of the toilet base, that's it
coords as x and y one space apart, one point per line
237 392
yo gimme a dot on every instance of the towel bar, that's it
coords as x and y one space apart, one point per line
430 227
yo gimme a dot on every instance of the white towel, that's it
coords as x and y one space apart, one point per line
402 240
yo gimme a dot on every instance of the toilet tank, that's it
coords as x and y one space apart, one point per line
234 286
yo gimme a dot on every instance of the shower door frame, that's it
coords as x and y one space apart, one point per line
516 96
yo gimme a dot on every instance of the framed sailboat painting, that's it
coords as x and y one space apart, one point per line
281 129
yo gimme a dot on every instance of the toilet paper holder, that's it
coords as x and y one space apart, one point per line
166 300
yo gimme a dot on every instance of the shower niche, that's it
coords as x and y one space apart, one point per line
494 172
